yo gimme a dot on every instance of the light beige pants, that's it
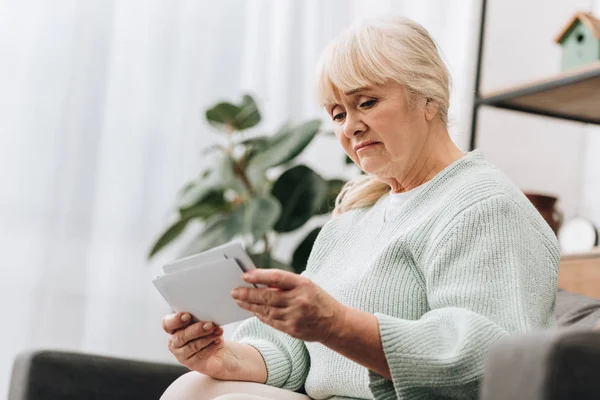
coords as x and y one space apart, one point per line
196 386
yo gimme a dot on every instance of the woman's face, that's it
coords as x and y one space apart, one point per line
379 130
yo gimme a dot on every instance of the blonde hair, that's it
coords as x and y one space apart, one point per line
369 54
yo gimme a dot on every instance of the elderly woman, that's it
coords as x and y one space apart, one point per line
429 258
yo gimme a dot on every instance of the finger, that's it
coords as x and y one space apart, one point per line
273 278
195 331
195 346
263 311
172 322
208 350
267 296
200 329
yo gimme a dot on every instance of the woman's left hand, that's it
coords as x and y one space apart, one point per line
292 304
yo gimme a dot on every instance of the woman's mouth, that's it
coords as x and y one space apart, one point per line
365 146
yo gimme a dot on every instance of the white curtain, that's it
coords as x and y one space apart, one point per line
101 123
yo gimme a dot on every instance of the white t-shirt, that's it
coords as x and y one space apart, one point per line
397 200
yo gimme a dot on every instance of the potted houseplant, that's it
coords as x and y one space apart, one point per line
234 197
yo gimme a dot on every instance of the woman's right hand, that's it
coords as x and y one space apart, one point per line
199 346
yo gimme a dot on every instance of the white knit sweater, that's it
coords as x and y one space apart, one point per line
467 261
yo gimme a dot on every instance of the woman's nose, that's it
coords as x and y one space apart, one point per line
353 126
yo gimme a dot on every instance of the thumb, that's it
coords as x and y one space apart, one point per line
173 322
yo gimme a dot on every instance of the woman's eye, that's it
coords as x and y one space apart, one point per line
369 103
339 116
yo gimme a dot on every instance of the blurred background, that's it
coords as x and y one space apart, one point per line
102 122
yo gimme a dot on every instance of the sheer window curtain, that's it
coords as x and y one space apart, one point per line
101 123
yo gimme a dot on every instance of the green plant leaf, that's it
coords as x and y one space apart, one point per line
191 185
257 174
284 146
225 116
281 148
259 142
170 234
334 187
222 114
302 252
248 116
214 202
283 130
217 230
261 260
261 213
253 147
255 217
188 186
301 192
197 192
219 177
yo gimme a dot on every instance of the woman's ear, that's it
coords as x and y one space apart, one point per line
431 108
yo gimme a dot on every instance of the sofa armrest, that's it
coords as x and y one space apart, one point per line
549 365
41 375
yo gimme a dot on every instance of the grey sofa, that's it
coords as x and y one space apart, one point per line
50 375
563 363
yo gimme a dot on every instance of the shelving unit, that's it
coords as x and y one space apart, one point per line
572 95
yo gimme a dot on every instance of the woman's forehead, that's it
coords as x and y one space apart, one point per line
339 97
357 91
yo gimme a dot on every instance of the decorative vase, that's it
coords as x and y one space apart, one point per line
546 205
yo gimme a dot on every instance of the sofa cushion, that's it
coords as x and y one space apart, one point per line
576 311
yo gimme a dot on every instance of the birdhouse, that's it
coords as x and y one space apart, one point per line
580 41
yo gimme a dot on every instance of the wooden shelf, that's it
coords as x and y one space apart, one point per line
572 95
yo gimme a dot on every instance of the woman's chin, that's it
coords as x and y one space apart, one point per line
370 166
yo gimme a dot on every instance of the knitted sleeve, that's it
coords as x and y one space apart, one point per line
493 272
286 358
